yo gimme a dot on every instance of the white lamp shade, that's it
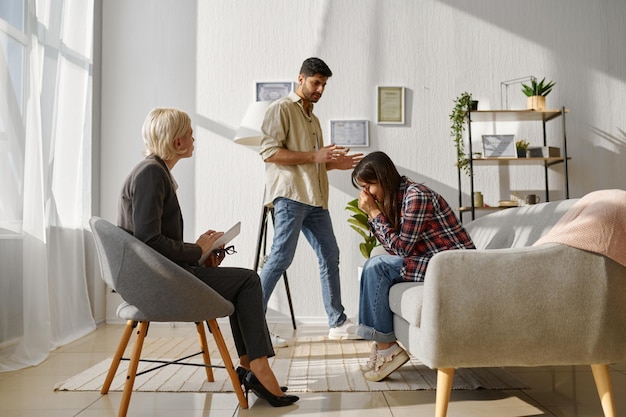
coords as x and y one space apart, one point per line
249 132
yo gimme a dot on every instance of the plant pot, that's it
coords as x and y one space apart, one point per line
474 105
521 153
536 103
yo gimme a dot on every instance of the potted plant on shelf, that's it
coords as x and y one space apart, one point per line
536 93
358 223
458 117
521 146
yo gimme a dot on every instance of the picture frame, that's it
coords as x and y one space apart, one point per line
273 90
499 146
350 133
390 105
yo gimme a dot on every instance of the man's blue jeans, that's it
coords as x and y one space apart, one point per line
290 217
375 315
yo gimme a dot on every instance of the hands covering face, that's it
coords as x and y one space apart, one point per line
368 204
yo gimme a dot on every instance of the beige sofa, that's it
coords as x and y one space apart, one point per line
512 304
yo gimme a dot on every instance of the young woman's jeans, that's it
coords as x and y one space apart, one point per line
375 315
289 218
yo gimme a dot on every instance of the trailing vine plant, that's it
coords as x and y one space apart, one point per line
458 117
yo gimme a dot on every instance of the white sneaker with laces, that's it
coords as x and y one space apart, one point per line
385 365
346 331
277 341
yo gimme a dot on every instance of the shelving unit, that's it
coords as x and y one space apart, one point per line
493 116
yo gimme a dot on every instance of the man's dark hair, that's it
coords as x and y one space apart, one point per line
312 66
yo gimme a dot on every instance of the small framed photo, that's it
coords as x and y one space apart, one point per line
350 133
390 105
499 146
270 91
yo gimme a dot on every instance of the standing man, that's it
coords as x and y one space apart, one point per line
297 187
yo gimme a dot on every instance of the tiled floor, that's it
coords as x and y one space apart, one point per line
556 391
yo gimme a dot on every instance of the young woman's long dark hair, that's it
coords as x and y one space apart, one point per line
377 167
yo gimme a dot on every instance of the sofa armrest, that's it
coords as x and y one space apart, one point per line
378 250
530 306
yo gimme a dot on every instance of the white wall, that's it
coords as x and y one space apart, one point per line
205 56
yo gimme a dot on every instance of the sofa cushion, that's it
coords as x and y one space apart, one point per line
516 227
405 300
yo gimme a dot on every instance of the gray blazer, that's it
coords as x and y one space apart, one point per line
149 209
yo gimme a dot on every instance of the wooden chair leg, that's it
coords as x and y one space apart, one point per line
228 363
205 351
117 358
142 330
445 376
602 376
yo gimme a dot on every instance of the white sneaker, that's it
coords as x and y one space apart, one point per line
385 365
277 341
346 331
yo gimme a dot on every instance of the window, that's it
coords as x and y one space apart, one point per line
13 73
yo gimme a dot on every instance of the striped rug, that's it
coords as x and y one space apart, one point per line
309 364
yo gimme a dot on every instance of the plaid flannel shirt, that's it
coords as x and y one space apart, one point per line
427 226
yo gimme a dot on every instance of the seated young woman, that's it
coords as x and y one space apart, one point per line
149 209
413 223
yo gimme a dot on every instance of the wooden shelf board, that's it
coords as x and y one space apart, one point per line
507 160
514 115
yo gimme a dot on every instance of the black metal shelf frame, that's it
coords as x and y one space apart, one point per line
513 115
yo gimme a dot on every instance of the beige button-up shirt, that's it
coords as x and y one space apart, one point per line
286 125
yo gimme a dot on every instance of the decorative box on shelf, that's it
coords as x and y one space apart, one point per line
543 152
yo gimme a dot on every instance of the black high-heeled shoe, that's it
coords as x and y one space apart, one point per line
250 382
241 373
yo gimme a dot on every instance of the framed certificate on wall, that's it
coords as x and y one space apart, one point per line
350 133
270 91
390 108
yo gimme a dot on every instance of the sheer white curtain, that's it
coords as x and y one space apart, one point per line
53 156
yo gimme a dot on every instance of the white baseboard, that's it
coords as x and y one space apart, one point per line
312 320
113 300
316 321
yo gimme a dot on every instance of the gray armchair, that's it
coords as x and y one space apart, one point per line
509 303
154 289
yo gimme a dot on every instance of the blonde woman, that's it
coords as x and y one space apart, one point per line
149 210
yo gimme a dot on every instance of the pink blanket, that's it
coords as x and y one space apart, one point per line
596 223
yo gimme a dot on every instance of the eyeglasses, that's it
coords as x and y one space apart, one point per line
220 253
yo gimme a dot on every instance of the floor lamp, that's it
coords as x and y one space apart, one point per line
249 134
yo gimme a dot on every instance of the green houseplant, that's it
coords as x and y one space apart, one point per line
521 146
458 117
537 92
358 223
